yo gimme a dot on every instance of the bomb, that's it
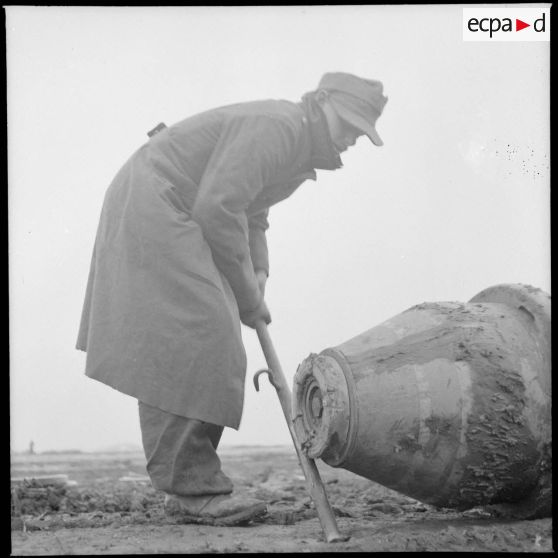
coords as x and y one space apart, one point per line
447 402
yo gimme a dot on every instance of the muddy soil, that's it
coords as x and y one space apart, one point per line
111 508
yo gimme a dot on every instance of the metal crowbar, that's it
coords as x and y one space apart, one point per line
314 483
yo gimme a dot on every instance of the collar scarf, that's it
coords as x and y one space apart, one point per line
324 154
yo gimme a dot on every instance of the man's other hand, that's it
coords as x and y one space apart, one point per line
260 313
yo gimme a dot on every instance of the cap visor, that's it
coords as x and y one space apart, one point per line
375 138
360 123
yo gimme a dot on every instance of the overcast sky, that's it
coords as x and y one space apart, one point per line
456 200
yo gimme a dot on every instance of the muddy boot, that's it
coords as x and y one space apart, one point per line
217 509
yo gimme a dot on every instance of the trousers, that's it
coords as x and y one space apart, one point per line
181 453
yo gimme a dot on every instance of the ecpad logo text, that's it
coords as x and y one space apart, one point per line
506 24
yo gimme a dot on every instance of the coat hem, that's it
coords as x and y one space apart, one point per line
156 403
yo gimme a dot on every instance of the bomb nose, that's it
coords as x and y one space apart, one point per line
321 407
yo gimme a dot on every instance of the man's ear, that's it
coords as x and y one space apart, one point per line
322 96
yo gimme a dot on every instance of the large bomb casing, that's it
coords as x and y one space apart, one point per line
447 402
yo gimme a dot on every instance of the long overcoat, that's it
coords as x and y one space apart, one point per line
181 232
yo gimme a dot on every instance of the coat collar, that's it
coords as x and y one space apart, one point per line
323 154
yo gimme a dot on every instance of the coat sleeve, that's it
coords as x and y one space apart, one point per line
250 150
257 225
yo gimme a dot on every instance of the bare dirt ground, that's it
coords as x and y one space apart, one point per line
112 510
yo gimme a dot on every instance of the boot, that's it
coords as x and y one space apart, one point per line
215 509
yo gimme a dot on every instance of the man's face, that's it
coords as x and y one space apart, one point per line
342 133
